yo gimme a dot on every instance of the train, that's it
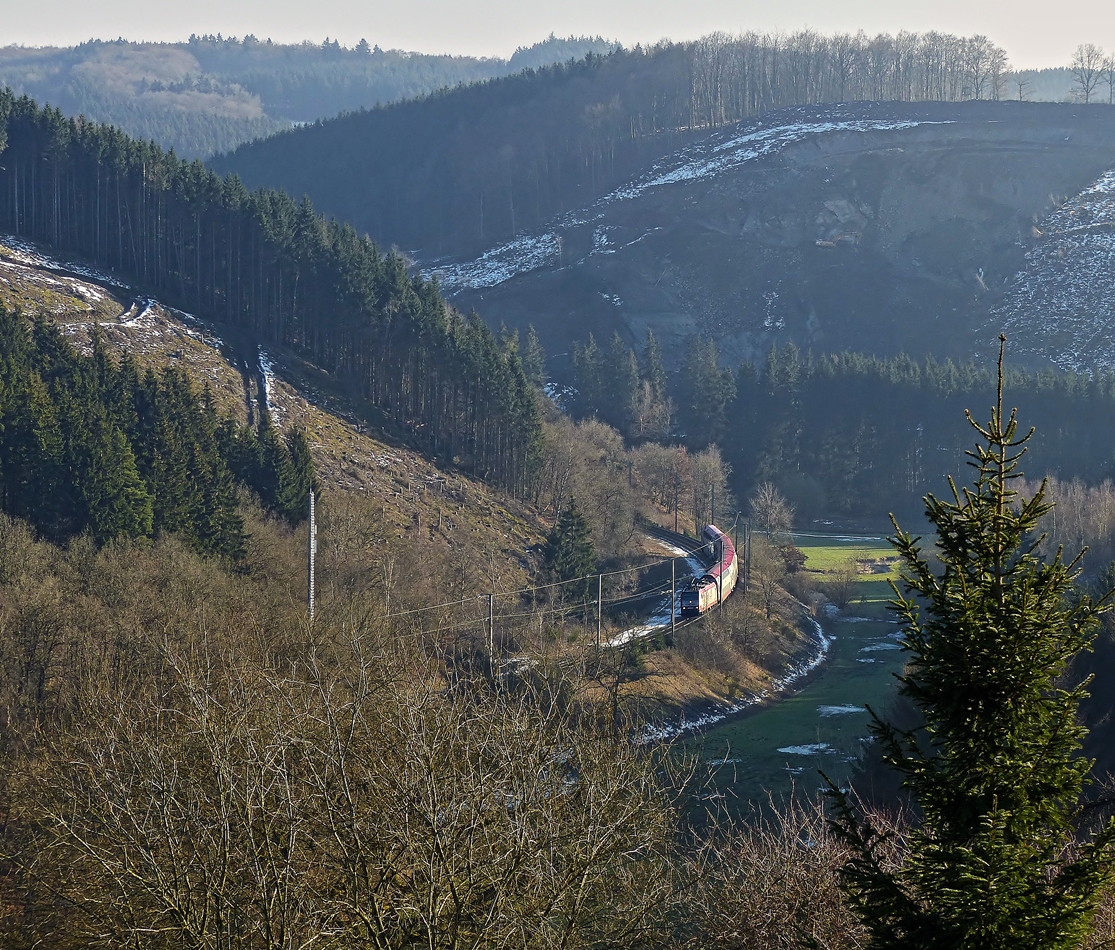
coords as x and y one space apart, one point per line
710 589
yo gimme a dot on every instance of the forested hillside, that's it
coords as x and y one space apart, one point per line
92 446
843 435
468 167
213 92
275 269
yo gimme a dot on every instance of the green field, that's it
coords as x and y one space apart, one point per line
825 553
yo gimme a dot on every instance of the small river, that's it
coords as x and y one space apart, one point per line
819 725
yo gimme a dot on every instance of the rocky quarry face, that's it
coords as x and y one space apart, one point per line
879 228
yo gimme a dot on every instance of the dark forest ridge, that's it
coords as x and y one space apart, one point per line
211 93
456 172
279 273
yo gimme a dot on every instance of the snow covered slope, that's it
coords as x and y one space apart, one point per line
875 227
1061 307
703 160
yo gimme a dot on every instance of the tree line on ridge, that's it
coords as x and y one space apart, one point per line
842 434
463 168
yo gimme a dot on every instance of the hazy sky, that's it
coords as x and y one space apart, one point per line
1034 33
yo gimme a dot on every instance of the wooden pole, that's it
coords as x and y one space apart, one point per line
599 605
492 630
312 552
675 502
673 595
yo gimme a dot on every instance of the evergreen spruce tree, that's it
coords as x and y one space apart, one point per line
706 392
652 370
534 358
569 552
508 340
274 474
36 482
116 500
588 378
1002 859
300 477
621 386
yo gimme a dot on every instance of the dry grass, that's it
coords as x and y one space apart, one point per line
415 499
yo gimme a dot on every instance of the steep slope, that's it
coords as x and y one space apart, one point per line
1060 306
880 228
417 500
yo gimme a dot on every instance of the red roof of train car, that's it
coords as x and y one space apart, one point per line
728 551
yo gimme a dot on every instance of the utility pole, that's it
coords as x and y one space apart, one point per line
311 568
599 605
712 514
673 595
492 630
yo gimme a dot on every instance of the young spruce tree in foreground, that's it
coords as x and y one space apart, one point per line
1001 858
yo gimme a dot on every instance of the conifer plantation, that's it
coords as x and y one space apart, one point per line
844 433
91 446
271 266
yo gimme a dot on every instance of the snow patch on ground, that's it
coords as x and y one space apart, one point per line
828 711
660 619
501 263
562 396
814 748
601 242
1062 306
706 159
26 253
267 373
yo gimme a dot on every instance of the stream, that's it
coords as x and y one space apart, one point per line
779 749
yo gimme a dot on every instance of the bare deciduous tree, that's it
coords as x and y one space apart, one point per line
768 568
841 582
349 801
1087 69
771 513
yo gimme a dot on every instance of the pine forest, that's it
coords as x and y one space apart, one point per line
263 262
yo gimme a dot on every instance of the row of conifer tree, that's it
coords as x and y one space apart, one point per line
92 445
272 266
843 433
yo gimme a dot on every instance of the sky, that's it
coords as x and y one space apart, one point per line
1034 33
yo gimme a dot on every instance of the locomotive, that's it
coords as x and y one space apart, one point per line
718 581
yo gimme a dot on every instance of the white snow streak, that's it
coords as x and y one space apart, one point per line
267 372
694 163
25 253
